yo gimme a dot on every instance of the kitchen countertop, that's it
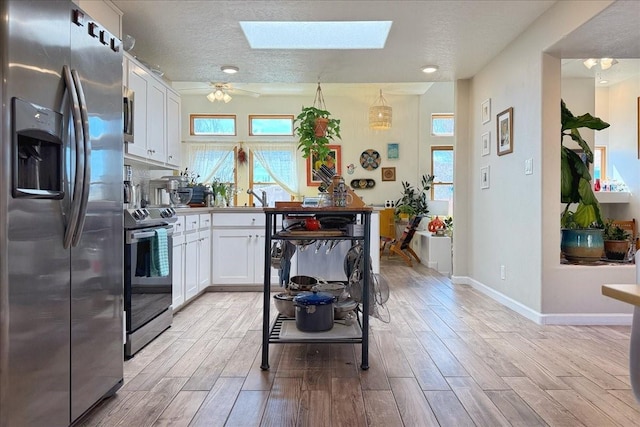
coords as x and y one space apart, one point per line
239 209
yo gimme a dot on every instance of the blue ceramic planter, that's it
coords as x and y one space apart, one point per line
582 245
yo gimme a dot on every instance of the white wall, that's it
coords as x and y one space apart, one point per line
622 152
516 222
409 114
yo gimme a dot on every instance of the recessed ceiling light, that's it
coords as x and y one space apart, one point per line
429 69
316 34
229 69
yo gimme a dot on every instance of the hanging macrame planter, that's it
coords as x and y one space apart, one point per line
321 122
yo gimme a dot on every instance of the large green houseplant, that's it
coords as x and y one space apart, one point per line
414 199
582 227
315 128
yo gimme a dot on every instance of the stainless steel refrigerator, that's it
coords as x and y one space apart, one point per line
61 222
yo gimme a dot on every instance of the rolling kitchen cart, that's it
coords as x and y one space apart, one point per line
275 333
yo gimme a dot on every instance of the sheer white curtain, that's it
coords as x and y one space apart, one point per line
210 160
279 160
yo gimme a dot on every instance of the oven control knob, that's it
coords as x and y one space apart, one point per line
166 213
136 214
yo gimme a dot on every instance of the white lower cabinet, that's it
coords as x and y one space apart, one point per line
191 265
191 257
178 271
239 257
204 251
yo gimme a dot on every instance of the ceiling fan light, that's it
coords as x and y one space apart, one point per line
229 69
211 97
428 69
589 63
606 63
219 94
226 98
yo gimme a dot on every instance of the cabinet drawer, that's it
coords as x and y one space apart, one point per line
191 222
178 226
205 220
253 219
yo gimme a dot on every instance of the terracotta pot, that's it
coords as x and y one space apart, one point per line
321 126
616 249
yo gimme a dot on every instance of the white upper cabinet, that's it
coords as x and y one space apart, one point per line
156 117
173 128
105 12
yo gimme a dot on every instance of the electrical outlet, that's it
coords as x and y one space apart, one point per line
503 272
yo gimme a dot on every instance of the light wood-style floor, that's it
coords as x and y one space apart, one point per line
450 357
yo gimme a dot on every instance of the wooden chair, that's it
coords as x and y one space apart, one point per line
402 245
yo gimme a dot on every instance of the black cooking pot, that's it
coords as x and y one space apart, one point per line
314 311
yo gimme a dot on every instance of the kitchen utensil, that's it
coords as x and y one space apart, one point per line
302 283
284 304
314 311
342 308
333 288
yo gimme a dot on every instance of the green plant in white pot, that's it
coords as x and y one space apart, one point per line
581 228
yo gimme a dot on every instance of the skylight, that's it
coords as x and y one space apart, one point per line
316 35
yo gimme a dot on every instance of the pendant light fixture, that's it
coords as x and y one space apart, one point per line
380 114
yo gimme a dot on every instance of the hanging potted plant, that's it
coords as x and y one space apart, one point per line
582 239
316 129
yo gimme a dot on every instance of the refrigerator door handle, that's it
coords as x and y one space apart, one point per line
72 222
86 179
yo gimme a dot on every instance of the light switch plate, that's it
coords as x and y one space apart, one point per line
528 167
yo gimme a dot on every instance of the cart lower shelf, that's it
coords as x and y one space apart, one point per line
284 330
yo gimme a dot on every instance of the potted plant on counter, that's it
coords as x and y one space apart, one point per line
616 241
581 228
315 128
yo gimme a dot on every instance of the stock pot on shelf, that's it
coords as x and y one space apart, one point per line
314 311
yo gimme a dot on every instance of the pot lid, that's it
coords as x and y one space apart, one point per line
346 305
313 298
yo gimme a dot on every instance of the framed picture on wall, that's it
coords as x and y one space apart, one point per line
333 162
484 177
638 114
486 143
504 124
389 174
393 150
485 110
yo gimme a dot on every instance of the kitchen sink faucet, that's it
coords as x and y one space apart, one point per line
263 199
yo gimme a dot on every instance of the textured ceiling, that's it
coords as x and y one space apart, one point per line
190 40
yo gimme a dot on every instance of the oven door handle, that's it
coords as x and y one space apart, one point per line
135 236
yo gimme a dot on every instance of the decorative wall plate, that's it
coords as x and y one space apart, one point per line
361 184
370 159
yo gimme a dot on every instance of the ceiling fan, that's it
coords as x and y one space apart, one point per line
222 92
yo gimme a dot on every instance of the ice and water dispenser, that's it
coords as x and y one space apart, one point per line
37 151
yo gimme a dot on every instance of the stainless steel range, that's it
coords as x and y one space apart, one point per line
147 275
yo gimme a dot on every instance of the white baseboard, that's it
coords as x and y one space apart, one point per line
546 319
